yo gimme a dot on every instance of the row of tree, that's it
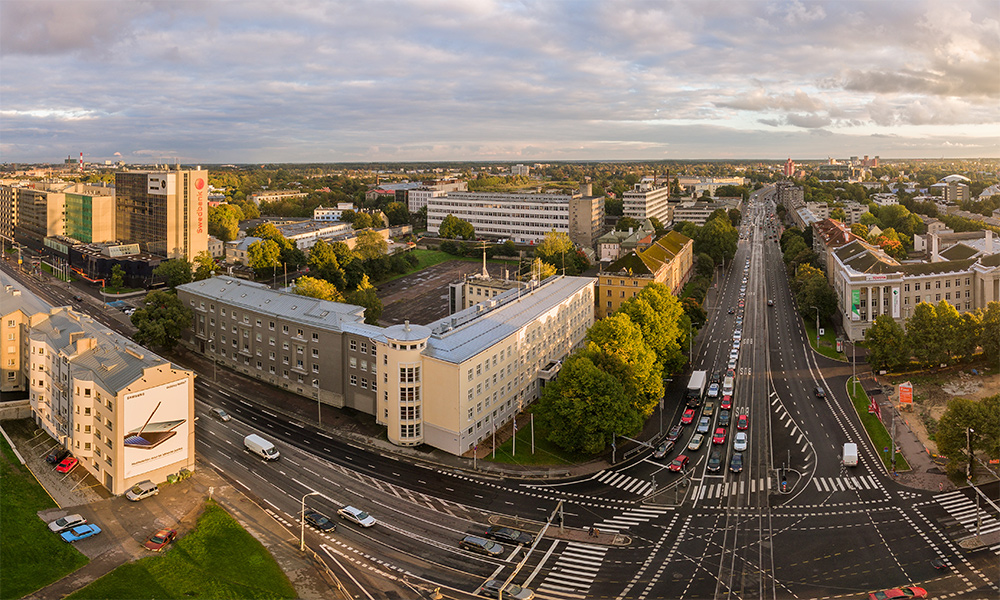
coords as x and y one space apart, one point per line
935 334
611 385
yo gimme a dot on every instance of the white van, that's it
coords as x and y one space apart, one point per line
261 447
850 455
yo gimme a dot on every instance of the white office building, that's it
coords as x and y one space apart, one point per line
645 201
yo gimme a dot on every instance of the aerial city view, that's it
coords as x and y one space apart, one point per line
563 300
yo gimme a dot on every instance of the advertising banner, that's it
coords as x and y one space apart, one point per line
895 302
855 305
906 393
156 427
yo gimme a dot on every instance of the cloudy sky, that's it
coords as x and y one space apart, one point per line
328 81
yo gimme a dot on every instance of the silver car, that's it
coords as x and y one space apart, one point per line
740 441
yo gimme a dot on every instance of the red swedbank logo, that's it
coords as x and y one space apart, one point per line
200 183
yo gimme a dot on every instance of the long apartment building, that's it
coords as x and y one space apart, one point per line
648 201
33 212
521 217
124 412
669 260
446 384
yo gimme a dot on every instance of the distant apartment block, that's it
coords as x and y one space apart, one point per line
259 198
418 198
699 212
789 168
670 261
882 199
519 169
697 186
646 201
325 214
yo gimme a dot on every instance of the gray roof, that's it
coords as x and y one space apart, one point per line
322 314
466 333
17 297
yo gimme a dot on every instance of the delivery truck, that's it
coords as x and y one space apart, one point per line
261 447
696 388
850 455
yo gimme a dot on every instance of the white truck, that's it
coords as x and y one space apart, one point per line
261 447
850 455
696 388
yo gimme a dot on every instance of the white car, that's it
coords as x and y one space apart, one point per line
736 344
740 441
713 390
734 354
356 515
732 363
66 523
737 334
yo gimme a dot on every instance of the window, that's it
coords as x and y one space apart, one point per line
470 399
364 347
259 323
479 370
479 389
947 284
354 345
270 325
315 368
298 333
284 329
470 414
354 362
354 380
470 374
364 383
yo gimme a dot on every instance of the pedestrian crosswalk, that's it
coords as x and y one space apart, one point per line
625 482
964 510
846 484
573 573
630 518
731 488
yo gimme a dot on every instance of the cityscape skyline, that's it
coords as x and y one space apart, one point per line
431 81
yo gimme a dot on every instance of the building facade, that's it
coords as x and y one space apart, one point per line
166 212
647 201
670 261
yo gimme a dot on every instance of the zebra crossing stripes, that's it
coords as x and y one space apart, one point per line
846 484
573 573
630 518
731 488
964 511
625 482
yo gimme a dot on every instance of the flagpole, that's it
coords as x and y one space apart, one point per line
532 433
514 440
494 439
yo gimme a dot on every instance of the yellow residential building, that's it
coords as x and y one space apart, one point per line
670 261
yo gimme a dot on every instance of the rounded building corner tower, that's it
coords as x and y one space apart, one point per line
401 409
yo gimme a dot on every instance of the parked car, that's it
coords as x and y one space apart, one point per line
720 436
320 521
56 456
679 464
663 449
906 591
80 532
356 515
688 416
674 434
67 464
491 589
68 522
220 414
160 539
141 490
481 545
510 535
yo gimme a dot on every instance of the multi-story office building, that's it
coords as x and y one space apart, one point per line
165 212
647 201
417 198
524 218
16 308
699 212
670 261
325 214
34 211
486 362
90 214
124 412
789 168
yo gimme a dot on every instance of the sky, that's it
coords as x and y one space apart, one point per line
327 81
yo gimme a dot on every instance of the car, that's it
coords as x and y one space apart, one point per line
732 363
481 545
727 402
736 462
743 422
68 522
743 290
663 449
320 521
730 373
704 424
736 344
906 591
77 297
56 456
715 377
732 310
696 440
714 460
720 436
80 532
688 417
67 464
708 410
160 539
674 434
819 392
770 302
713 390
739 320
679 464
356 515
509 535
740 441
723 419
220 414
737 334
491 589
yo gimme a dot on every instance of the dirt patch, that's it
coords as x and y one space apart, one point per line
930 398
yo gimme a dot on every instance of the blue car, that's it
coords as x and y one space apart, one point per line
81 532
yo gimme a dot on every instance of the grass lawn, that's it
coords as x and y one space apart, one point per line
31 556
546 453
219 559
876 430
827 342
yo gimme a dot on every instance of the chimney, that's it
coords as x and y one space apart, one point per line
989 241
935 257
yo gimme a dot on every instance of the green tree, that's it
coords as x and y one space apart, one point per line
949 325
263 255
966 421
735 217
657 312
205 265
660 229
886 343
397 213
161 321
860 230
454 228
317 288
557 250
717 237
989 338
324 264
266 231
626 223
366 296
838 214
117 277
970 332
924 339
813 290
585 407
224 221
705 266
370 245
363 220
177 271
616 345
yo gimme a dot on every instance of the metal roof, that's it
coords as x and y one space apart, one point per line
17 297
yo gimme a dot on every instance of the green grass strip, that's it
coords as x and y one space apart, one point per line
827 342
876 430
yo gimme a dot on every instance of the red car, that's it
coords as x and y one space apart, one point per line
161 538
67 465
678 464
720 436
742 422
688 417
907 591
727 403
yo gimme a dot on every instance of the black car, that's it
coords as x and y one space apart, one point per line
715 460
820 392
506 534
56 456
736 463
78 297
663 449
320 521
716 377
674 434
723 419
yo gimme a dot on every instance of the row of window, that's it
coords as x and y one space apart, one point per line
300 333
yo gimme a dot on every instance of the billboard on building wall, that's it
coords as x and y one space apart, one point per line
156 427
895 302
855 305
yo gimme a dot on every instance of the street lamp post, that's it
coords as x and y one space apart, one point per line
211 348
319 403
817 326
302 520
691 341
